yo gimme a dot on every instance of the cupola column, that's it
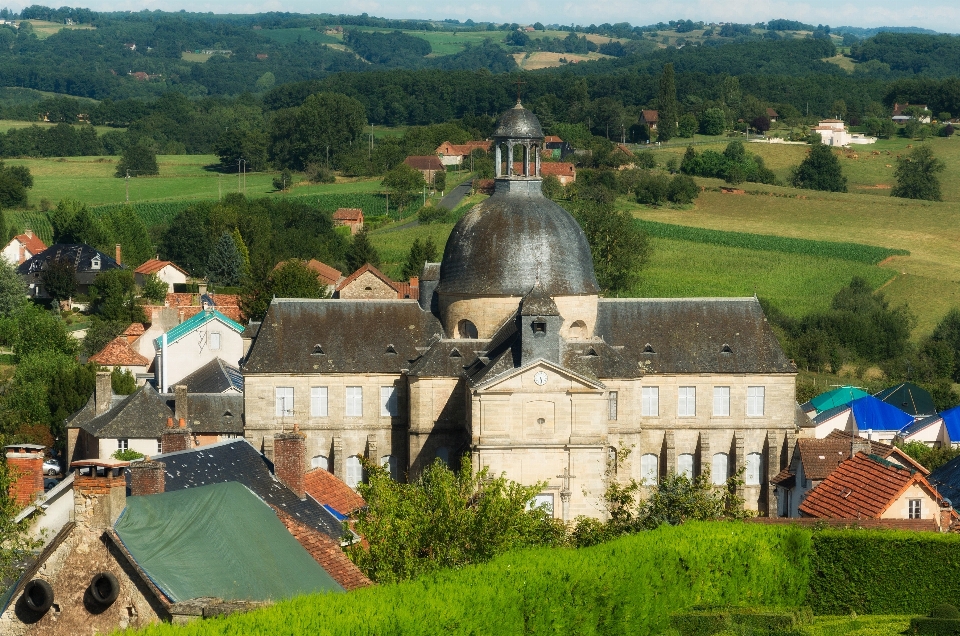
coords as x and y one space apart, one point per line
509 158
499 167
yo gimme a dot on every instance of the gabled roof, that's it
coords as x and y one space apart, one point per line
820 457
373 270
552 139
880 449
218 541
862 487
155 265
82 257
141 414
772 113
236 460
921 424
119 353
330 491
215 376
460 150
909 398
649 115
348 214
424 162
873 414
195 323
326 274
840 396
135 329
211 412
32 242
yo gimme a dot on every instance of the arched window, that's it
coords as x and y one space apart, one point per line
751 476
466 329
720 469
354 471
578 329
685 465
443 454
320 461
649 469
390 463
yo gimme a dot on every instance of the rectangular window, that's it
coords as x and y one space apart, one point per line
354 401
721 401
687 401
544 500
914 511
754 401
612 402
284 397
123 444
650 398
318 401
215 341
388 402
159 446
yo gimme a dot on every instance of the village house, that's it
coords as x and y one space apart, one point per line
87 262
369 283
328 276
649 118
509 359
773 115
119 353
869 487
428 166
23 247
900 115
192 344
833 132
564 171
168 272
457 154
350 217
936 431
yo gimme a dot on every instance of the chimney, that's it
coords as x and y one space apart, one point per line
946 517
860 445
147 477
180 402
175 439
118 254
102 393
289 460
25 462
202 288
23 253
99 492
28 232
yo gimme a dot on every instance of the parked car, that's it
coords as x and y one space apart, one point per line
51 467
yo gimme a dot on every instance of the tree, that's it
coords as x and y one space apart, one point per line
225 265
247 144
84 227
154 289
13 291
420 253
38 330
100 333
551 187
243 252
440 181
619 247
59 279
292 279
688 125
362 252
713 121
283 181
122 381
683 189
114 296
667 104
917 175
652 188
324 123
761 124
403 182
14 183
445 519
139 160
820 170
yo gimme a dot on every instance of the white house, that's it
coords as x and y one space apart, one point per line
23 247
833 132
166 271
192 344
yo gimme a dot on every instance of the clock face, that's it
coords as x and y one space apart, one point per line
540 378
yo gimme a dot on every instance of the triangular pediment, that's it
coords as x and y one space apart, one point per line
530 376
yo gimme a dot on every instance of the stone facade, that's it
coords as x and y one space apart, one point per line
366 286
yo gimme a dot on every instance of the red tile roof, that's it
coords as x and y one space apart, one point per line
33 244
881 450
424 162
348 214
552 139
461 150
154 265
326 552
649 115
772 113
558 168
327 489
119 353
863 486
135 329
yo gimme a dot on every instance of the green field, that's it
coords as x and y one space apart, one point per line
7 124
292 36
45 29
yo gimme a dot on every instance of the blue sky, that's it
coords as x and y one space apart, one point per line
937 14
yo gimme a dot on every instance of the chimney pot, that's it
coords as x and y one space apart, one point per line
169 422
175 439
28 232
103 393
183 423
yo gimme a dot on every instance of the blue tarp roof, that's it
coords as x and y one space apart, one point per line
951 420
873 414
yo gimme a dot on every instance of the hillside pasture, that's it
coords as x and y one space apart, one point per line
8 124
45 29
542 59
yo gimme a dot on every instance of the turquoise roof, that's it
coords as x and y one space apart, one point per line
837 397
195 323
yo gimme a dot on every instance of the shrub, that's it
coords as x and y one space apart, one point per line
683 189
653 189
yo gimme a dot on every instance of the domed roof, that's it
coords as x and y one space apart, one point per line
519 123
503 245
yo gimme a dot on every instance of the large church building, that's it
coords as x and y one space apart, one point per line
510 358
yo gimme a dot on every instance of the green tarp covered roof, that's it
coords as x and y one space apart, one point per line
837 397
221 541
909 398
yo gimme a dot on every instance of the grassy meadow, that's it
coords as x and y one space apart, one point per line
45 29
7 124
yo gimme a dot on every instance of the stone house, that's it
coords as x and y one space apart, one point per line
458 154
167 271
327 275
369 283
350 217
428 165
192 344
649 118
23 247
508 358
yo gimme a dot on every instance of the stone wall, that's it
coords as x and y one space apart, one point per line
368 286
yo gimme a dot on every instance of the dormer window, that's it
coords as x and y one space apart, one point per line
391 349
455 353
726 349
317 350
539 327
95 262
648 348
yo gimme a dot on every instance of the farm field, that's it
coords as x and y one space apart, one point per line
542 59
7 124
45 29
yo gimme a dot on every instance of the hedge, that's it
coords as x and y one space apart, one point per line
870 254
883 571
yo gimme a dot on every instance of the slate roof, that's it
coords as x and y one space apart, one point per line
947 480
80 255
862 487
211 413
119 353
328 490
199 320
687 335
154 265
353 336
238 461
215 376
909 398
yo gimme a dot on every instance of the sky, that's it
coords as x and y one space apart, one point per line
937 14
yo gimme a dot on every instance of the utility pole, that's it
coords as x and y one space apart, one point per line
127 179
239 175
